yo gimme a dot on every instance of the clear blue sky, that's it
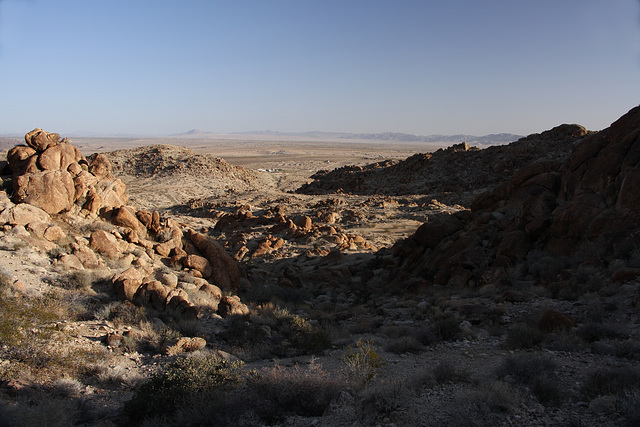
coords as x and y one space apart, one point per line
414 66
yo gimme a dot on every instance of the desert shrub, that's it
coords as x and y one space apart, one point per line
536 372
526 367
542 265
363 362
404 344
547 391
611 381
487 405
67 387
148 336
447 372
365 325
383 397
181 381
306 336
78 280
523 336
5 279
104 311
564 341
595 331
630 408
394 331
33 343
50 412
125 313
301 391
117 375
447 329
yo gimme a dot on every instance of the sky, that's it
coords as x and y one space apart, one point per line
156 67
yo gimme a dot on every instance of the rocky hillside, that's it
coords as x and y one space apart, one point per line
582 211
161 176
459 169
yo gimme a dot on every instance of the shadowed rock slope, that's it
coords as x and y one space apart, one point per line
457 169
582 210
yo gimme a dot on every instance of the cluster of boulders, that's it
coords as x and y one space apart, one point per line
53 175
266 232
456 169
583 208
50 176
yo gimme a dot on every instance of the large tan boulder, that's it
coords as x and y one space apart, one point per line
24 214
94 202
113 193
59 157
105 244
124 216
40 140
152 293
225 271
197 263
52 191
126 284
87 257
22 159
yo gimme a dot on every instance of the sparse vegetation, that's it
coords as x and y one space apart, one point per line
363 362
188 378
523 336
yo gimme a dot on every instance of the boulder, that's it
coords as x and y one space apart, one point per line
225 271
22 159
24 214
212 290
59 157
127 283
170 280
232 306
54 233
86 256
124 216
105 244
52 191
40 140
197 263
152 293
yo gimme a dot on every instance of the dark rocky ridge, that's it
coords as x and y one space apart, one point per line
583 209
457 169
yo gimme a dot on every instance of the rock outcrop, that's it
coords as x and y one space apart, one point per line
53 175
575 208
457 169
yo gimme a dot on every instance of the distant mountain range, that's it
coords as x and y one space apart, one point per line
496 138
